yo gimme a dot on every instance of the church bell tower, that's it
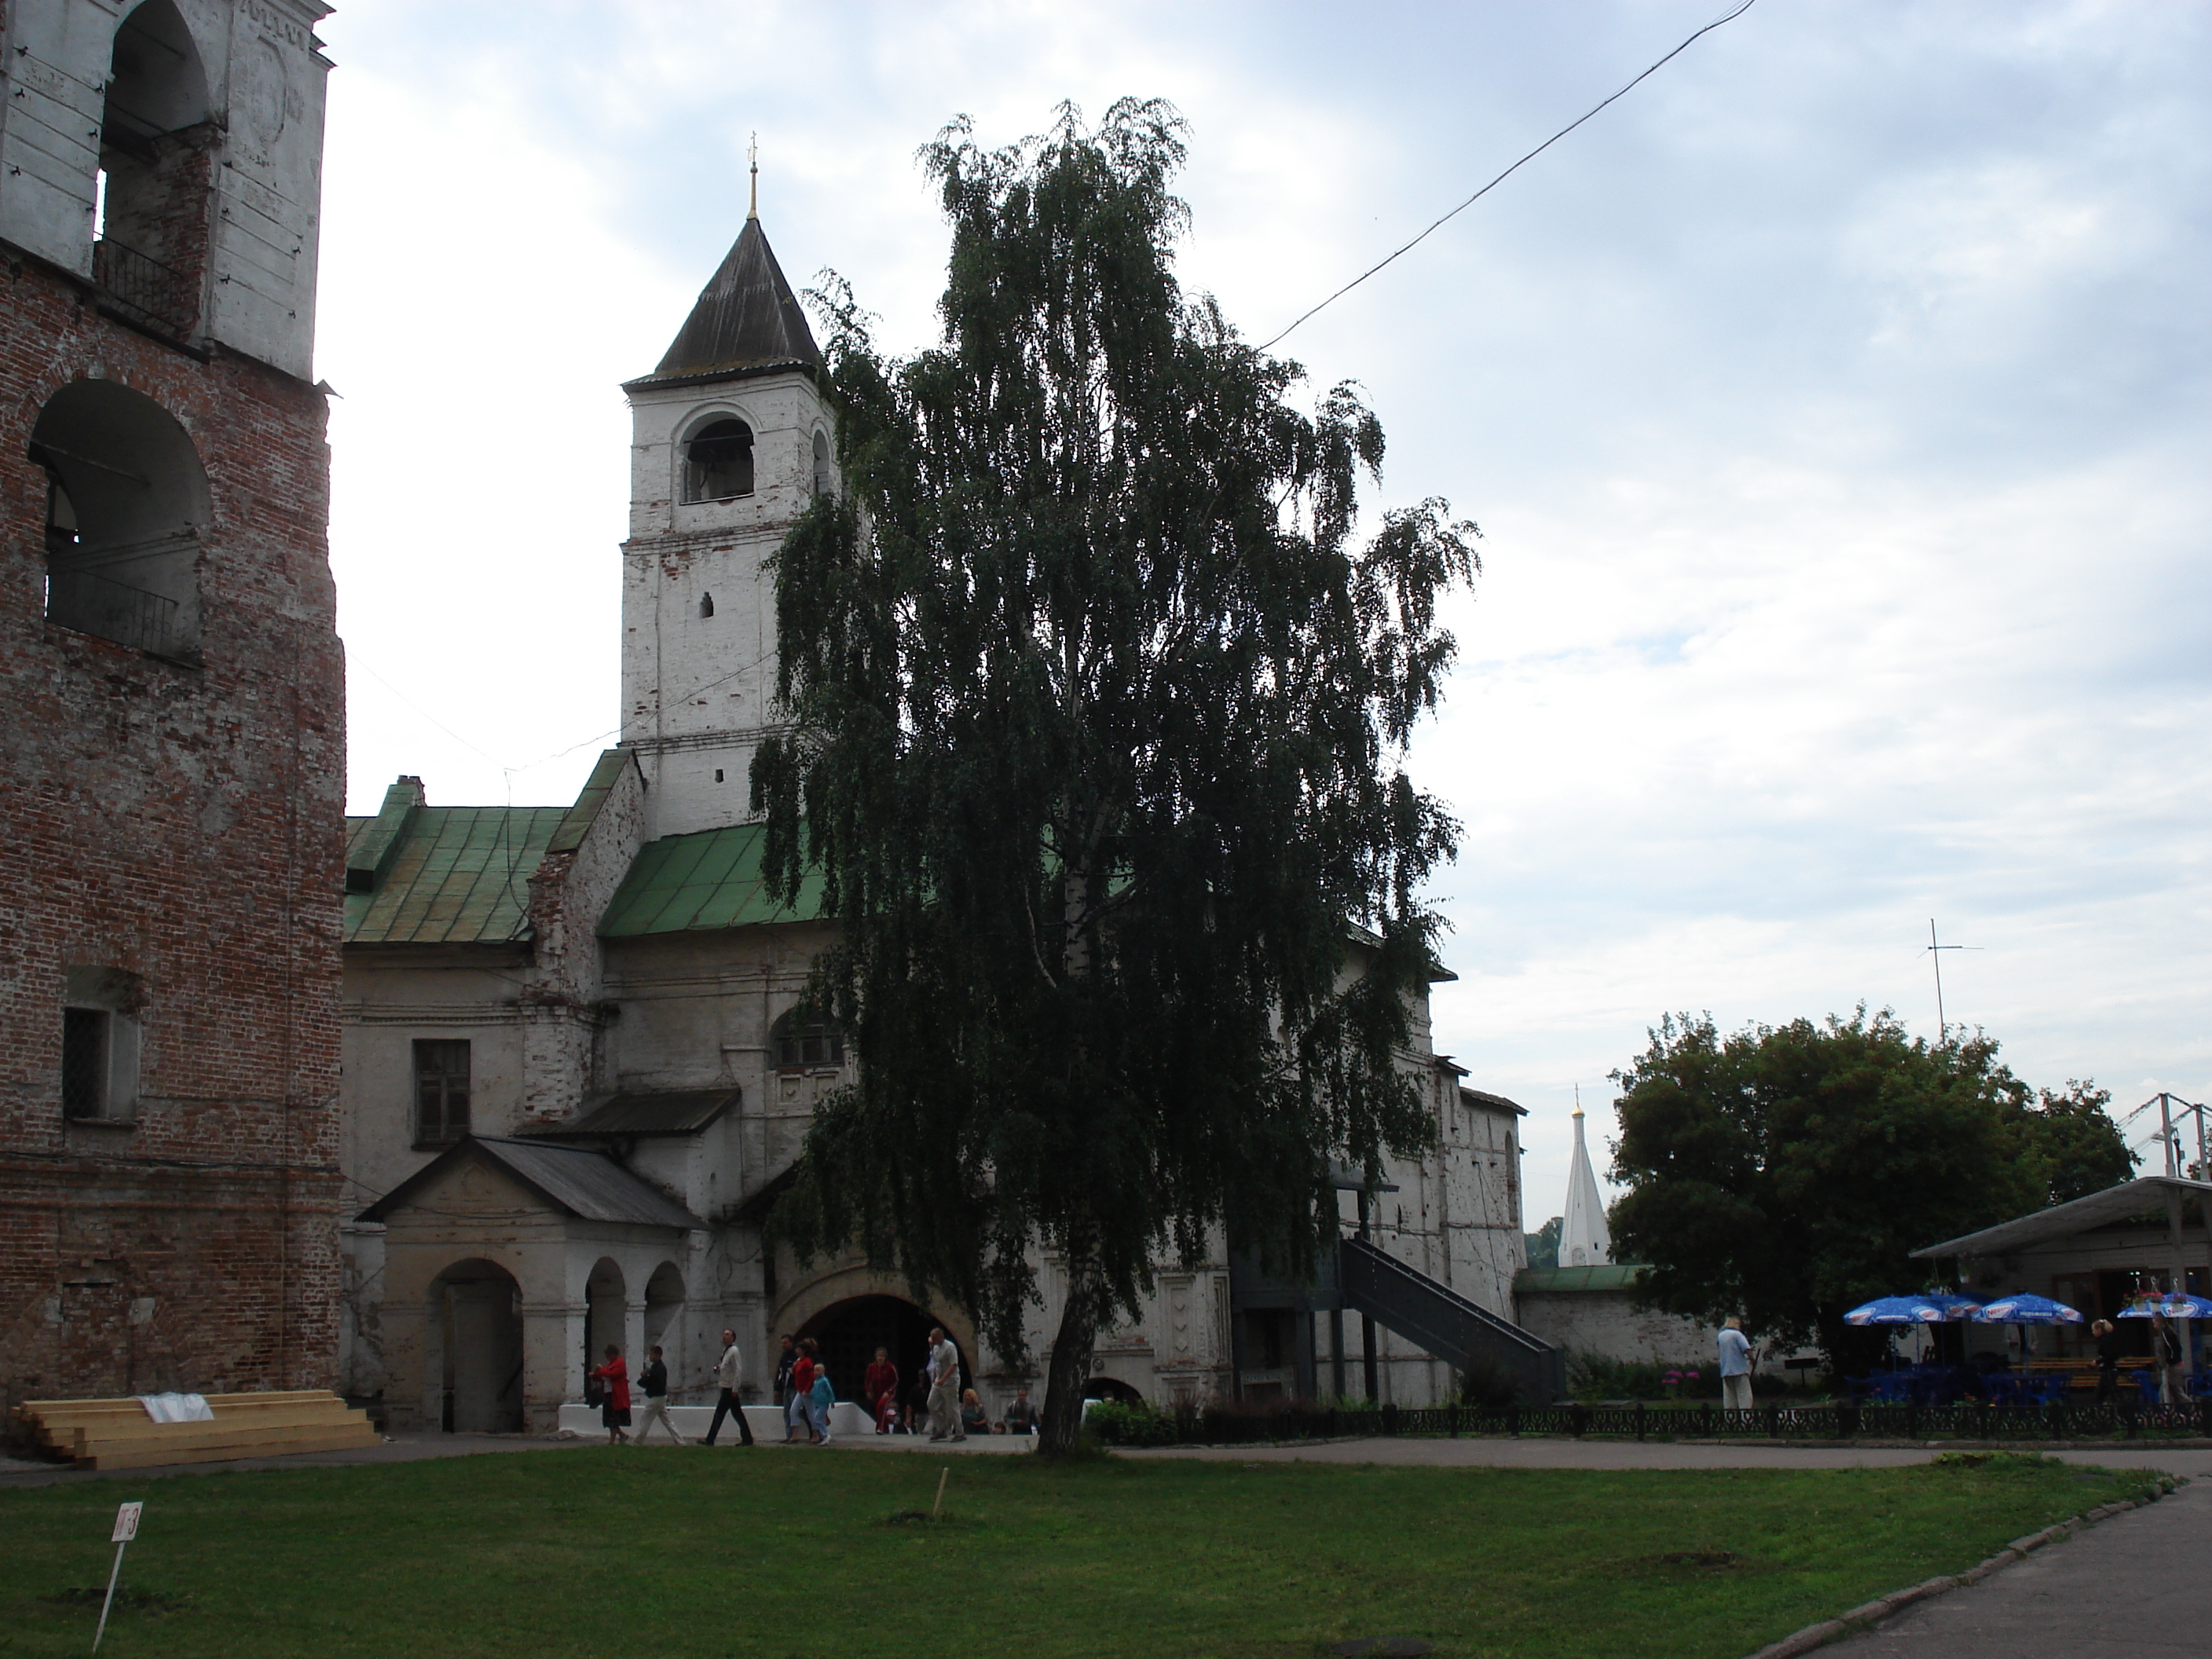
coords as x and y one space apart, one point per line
731 440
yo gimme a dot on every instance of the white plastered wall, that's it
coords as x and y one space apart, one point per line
697 690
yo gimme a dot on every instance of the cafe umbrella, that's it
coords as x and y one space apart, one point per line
2026 1310
2173 1304
1900 1311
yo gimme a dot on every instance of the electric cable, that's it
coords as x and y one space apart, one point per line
1746 5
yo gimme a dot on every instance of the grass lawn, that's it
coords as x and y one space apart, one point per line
690 1555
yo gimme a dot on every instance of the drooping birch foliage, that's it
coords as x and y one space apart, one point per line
1098 701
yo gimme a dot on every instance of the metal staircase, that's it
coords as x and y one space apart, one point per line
1435 1317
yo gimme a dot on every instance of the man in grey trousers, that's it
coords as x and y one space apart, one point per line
943 1387
727 1404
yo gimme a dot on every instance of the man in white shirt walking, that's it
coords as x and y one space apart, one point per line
1736 1367
943 1387
727 1404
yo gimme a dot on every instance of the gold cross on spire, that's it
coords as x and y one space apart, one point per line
752 154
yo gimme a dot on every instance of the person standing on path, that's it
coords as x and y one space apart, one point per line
2109 1345
820 1397
653 1380
784 1361
726 1404
804 1365
943 1387
1736 1367
2165 1348
879 1388
614 1408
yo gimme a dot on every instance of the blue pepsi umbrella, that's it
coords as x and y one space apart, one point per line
1899 1311
2026 1310
2173 1304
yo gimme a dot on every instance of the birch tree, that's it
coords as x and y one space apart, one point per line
1098 701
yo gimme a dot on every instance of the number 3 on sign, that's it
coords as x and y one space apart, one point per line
126 1523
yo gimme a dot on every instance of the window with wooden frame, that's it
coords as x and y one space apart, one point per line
441 1092
795 1047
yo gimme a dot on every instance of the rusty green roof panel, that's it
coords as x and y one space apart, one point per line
578 821
700 883
461 875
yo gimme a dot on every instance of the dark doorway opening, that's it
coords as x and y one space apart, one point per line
1113 1389
851 1331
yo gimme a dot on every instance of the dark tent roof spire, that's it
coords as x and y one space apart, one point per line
747 320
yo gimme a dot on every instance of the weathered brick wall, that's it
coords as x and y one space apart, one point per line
183 824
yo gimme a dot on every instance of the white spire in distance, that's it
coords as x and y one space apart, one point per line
1584 1240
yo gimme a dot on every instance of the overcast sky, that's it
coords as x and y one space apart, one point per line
1834 407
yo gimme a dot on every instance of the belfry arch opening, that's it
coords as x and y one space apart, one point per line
825 477
718 460
150 227
127 506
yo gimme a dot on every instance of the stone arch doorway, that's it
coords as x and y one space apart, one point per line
663 1302
606 1311
1113 1389
476 1331
851 1331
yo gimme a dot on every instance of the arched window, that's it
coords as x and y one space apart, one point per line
794 1048
154 157
126 503
717 461
824 478
706 604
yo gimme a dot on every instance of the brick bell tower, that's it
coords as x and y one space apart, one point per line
172 716
731 440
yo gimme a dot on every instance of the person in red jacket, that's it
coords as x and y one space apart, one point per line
802 1379
614 1404
879 1388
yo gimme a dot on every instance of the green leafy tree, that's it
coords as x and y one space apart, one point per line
2077 1147
1787 1174
1098 704
1544 1243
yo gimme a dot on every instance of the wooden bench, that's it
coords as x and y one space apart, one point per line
117 1434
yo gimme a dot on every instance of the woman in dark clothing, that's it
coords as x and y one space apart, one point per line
2110 1346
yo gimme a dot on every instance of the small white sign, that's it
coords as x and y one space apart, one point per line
126 1523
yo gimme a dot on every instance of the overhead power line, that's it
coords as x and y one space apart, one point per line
1510 171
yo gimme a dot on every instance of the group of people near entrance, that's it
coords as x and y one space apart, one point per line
936 1405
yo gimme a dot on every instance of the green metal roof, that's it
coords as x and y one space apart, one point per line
699 882
458 875
1616 1276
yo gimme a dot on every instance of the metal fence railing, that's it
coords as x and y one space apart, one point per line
160 295
113 611
1636 1421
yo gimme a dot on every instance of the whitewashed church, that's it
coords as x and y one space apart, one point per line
572 1081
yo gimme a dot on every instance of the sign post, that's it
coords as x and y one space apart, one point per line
127 1528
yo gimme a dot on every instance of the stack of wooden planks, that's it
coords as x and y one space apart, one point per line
117 1434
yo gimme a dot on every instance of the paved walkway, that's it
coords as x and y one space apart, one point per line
2137 1584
